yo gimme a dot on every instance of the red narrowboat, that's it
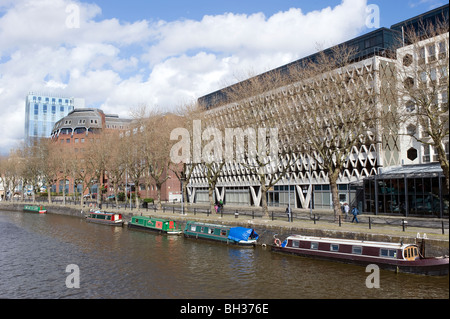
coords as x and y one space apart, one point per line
398 257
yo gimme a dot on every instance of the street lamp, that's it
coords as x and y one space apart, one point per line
182 180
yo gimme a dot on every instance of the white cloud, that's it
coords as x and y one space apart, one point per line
121 65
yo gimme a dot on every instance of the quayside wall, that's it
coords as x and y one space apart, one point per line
267 229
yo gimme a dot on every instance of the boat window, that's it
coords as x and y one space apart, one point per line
314 245
334 247
223 232
295 243
410 253
193 228
211 230
389 253
357 250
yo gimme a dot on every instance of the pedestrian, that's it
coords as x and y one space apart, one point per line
355 213
346 210
220 207
289 213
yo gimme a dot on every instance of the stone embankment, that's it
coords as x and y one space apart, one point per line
437 243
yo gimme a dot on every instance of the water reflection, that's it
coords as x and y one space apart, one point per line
120 263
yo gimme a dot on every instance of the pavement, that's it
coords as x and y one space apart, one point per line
380 224
434 228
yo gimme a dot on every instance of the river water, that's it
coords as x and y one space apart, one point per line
127 264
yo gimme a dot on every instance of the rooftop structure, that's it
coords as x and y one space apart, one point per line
42 111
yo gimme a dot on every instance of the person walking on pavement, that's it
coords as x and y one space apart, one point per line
355 213
346 210
289 213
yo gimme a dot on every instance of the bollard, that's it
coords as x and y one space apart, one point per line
314 219
272 215
443 229
339 220
236 214
253 216
404 224
370 223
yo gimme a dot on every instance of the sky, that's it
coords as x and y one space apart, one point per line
121 54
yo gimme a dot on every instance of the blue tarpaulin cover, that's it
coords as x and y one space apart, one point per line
241 233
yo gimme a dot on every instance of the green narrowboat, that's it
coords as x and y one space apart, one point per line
35 209
104 218
159 225
231 235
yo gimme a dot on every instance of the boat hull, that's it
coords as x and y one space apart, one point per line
437 266
35 209
249 243
154 230
104 222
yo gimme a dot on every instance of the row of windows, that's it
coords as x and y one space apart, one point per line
76 140
47 100
45 107
429 52
390 253
68 122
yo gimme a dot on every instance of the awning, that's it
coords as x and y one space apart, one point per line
423 170
242 233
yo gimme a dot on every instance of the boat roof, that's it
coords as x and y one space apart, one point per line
351 242
106 213
153 218
208 225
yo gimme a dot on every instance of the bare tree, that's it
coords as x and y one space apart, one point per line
335 109
423 88
157 149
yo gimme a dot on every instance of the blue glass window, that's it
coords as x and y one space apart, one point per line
36 109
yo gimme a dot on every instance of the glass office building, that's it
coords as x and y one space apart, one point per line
43 111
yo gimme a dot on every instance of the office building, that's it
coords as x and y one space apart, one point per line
42 111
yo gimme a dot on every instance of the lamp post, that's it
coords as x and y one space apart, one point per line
182 180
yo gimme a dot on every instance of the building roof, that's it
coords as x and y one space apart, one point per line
421 170
91 118
380 42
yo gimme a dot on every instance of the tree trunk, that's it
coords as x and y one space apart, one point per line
265 208
333 176
49 193
211 190
158 191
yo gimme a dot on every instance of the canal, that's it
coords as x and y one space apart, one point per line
127 264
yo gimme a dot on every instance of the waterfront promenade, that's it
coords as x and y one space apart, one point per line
320 223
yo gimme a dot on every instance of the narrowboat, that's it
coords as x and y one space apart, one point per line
159 225
399 257
231 235
104 218
35 209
